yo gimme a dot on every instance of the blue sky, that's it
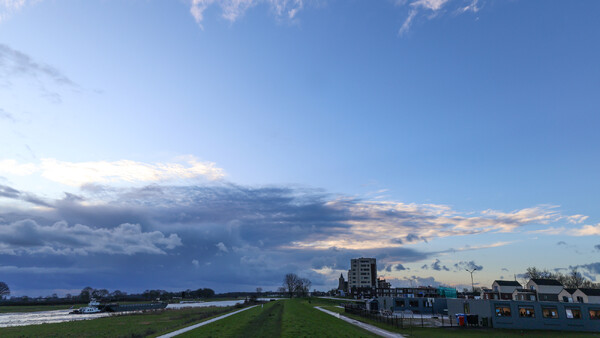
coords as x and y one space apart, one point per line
207 143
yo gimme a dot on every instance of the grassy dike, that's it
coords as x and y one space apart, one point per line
283 318
148 324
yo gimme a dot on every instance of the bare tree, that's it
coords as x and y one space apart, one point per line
4 290
294 285
290 283
575 279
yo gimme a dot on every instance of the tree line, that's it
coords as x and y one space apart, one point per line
573 279
105 295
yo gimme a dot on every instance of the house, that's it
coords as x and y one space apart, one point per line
547 290
524 295
583 295
505 288
566 295
488 294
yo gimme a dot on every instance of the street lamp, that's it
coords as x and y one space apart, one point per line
471 272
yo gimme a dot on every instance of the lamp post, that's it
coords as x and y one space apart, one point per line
472 284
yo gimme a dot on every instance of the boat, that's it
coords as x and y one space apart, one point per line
93 307
134 307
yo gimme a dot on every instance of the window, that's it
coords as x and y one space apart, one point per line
549 312
579 299
573 313
466 308
400 303
595 314
503 311
526 311
413 303
565 299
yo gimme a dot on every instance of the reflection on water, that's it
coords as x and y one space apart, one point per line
57 316
32 318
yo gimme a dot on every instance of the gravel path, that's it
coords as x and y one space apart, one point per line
186 329
371 328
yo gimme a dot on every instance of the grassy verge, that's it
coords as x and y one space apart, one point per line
463 332
284 318
151 323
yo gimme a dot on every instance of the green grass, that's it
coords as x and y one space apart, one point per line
152 323
463 332
283 318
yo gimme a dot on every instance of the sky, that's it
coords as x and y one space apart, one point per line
221 144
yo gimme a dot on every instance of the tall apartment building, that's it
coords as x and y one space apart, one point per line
362 273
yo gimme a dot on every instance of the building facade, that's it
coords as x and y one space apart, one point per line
362 273
536 315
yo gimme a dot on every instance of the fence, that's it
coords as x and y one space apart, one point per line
402 319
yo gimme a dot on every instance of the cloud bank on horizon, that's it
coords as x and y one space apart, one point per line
222 231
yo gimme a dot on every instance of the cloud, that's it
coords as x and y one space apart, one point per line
561 243
7 116
437 266
27 237
267 232
81 173
470 265
14 62
11 193
8 7
433 8
232 10
222 247
586 230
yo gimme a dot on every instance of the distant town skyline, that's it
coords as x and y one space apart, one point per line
223 144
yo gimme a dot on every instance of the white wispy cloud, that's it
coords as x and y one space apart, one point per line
80 173
8 7
232 10
433 8
377 224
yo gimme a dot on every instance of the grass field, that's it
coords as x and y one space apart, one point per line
464 332
284 318
147 324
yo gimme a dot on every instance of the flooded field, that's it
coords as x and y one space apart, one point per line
57 316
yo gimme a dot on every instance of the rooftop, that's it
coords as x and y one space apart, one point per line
541 281
507 283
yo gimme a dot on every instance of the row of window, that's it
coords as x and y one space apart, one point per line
547 312
412 303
